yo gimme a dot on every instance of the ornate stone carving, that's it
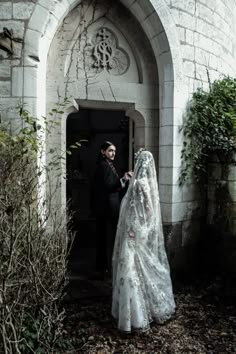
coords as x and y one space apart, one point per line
106 53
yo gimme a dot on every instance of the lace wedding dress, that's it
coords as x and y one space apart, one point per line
142 288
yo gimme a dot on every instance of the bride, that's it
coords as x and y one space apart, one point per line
142 288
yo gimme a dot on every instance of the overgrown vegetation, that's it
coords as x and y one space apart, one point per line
33 244
209 128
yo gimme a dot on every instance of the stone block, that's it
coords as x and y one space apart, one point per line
163 42
166 156
187 6
182 34
17 48
204 12
165 192
139 136
177 162
165 175
152 26
189 68
189 37
17 81
5 10
145 6
24 85
201 57
22 10
166 135
39 18
32 41
59 8
166 211
204 27
207 44
5 88
166 116
186 20
46 3
140 11
181 96
18 27
188 52
178 116
177 135
201 72
5 68
151 117
8 107
177 194
151 135
165 62
166 99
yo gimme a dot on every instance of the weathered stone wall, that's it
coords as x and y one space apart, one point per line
14 16
207 34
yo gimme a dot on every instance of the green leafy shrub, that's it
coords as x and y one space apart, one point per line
209 128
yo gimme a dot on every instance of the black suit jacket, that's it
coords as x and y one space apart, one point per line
107 186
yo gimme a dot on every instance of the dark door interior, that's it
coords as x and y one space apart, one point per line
94 126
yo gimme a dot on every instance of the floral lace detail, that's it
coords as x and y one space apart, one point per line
142 288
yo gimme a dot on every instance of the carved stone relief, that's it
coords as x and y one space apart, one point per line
105 53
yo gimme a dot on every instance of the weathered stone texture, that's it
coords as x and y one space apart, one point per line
207 33
5 69
5 10
22 10
5 88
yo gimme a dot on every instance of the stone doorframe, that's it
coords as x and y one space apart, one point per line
157 23
130 111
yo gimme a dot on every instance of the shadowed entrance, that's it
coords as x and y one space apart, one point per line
93 127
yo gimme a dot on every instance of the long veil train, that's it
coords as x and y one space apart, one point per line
142 288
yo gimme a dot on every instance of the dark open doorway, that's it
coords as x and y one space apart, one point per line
95 126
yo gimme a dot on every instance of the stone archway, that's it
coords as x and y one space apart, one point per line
157 24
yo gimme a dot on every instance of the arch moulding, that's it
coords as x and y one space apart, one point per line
43 24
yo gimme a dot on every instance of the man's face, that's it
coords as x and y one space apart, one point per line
110 152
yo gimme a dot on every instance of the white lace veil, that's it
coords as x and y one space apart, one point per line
142 288
140 214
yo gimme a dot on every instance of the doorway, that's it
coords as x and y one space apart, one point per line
92 127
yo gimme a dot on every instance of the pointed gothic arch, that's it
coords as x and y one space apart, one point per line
155 20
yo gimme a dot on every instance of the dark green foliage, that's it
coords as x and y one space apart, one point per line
209 128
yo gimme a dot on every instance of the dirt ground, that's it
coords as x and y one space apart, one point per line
205 321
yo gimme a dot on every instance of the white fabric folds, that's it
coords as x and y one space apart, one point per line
142 288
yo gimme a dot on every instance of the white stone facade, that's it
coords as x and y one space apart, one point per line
165 47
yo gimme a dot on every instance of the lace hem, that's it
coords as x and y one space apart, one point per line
159 321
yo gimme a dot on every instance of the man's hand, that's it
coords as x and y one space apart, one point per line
128 175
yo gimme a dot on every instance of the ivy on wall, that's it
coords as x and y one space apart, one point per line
209 128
